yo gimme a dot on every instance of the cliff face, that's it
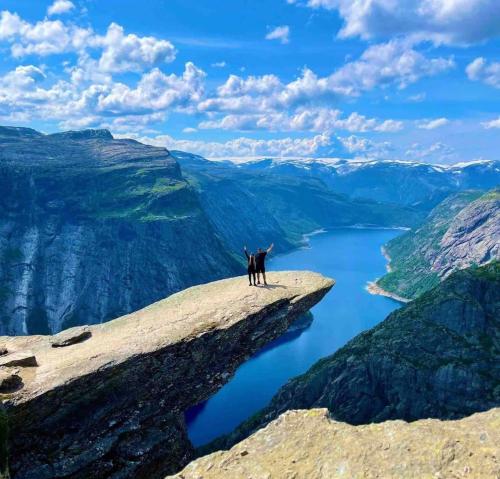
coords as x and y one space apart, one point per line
280 203
436 357
310 445
92 228
107 401
463 230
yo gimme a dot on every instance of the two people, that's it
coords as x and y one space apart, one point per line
257 264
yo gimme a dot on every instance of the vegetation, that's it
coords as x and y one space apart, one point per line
411 255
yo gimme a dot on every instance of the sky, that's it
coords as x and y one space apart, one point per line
415 80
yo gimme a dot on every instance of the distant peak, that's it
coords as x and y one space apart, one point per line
16 131
84 135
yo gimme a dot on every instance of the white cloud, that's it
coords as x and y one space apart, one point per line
491 124
132 53
394 62
46 37
417 98
432 124
243 147
155 91
120 52
482 70
446 21
219 64
59 7
369 148
303 119
435 153
282 34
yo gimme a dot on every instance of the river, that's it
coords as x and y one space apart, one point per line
352 257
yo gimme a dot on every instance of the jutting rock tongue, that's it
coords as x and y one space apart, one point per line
108 400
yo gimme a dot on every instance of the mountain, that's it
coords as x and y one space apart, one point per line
436 357
418 185
92 227
295 204
461 231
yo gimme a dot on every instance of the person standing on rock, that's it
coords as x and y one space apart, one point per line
251 266
260 262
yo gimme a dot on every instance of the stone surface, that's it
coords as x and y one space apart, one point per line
24 358
436 357
112 406
310 445
71 336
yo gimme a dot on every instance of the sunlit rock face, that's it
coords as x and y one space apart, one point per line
108 400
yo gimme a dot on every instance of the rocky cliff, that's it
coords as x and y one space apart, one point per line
92 227
107 401
310 445
436 357
463 230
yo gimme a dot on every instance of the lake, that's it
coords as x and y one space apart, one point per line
352 257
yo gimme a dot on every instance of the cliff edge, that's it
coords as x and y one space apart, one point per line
108 400
310 445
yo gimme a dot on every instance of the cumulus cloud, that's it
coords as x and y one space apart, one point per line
441 21
491 124
368 148
46 37
436 152
432 124
394 62
123 52
303 119
59 7
242 147
282 34
120 52
484 71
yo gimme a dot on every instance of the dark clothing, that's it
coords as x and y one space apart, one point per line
251 262
251 267
260 262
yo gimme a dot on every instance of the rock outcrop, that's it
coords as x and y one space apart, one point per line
310 445
93 227
464 230
108 402
436 357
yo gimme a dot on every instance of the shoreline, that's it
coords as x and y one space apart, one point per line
373 288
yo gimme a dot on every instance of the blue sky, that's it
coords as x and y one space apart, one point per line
409 80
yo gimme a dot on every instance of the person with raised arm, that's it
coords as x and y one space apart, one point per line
251 266
260 263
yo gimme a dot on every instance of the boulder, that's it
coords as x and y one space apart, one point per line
71 336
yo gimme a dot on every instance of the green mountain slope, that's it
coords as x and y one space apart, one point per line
461 231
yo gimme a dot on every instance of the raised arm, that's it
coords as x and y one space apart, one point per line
246 252
270 248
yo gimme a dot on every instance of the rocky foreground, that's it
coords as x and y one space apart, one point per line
310 445
108 400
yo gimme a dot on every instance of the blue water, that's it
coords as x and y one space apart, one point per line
352 257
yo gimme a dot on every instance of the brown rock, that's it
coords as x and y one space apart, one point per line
71 336
19 358
307 444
